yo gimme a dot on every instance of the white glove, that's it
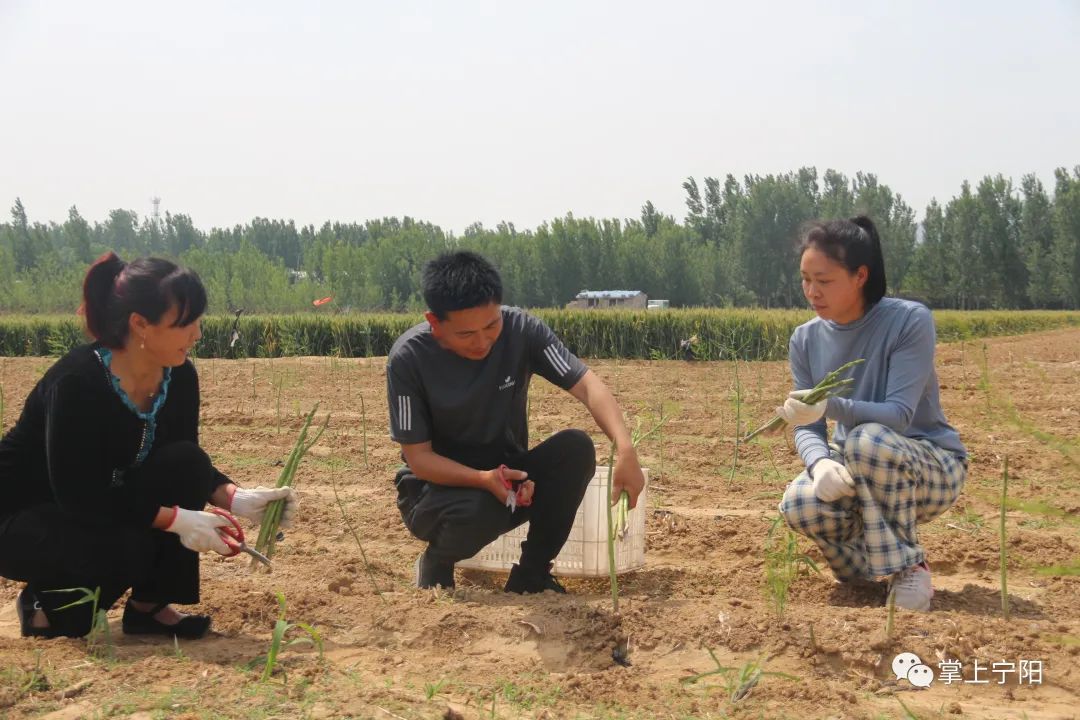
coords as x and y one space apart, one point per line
796 412
832 480
198 531
251 504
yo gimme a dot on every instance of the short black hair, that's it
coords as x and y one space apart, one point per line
459 281
852 243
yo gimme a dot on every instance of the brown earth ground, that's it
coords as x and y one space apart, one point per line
478 653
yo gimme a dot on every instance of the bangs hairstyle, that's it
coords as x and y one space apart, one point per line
459 281
113 290
852 243
184 290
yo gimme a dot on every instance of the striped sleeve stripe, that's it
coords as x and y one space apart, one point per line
561 366
404 412
801 443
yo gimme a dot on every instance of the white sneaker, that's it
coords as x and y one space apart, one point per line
912 589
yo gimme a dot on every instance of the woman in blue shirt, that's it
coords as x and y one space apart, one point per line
895 461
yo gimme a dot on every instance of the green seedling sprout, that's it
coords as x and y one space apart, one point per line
738 682
99 638
278 644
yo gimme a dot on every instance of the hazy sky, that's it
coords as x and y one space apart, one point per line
461 111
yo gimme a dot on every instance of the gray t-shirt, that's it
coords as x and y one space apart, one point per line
897 386
473 411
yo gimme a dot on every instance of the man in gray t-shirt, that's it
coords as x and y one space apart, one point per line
457 387
474 412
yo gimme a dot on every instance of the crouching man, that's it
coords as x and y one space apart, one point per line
457 385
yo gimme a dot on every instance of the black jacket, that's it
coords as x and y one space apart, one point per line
76 440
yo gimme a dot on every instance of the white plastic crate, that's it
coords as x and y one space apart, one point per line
585 553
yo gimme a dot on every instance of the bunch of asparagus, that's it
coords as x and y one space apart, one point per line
268 530
830 386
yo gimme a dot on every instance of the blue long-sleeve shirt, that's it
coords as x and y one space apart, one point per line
897 386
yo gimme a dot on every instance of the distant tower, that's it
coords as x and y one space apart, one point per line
157 211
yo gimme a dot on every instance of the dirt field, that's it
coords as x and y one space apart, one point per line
478 653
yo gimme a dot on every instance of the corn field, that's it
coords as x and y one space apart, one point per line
718 334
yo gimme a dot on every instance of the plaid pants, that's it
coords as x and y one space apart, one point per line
899 483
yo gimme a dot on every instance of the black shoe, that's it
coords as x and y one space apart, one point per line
431 573
137 622
26 605
524 580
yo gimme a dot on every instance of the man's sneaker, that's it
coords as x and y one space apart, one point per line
912 588
524 580
430 573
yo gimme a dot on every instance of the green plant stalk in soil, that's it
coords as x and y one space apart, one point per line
356 536
783 563
660 441
616 528
984 375
1003 541
611 536
738 418
890 620
279 383
363 430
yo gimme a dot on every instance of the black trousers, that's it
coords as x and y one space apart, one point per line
50 549
458 522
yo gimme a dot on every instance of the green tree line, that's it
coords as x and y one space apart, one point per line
992 245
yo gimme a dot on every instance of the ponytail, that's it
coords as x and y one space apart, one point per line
99 293
874 289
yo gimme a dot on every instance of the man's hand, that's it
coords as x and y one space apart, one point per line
591 391
497 487
525 493
627 476
832 480
796 412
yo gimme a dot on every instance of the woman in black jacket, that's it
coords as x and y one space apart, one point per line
102 480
